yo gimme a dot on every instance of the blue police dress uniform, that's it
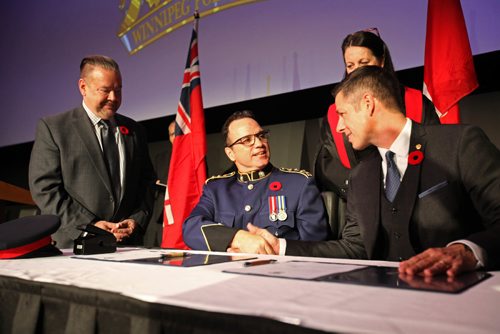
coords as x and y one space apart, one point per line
286 202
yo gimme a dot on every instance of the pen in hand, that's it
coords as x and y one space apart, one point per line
258 262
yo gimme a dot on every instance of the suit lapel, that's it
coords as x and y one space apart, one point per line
84 129
411 179
128 142
368 204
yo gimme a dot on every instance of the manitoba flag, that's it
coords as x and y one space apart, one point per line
187 172
449 73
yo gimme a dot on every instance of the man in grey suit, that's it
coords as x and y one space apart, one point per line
426 195
91 165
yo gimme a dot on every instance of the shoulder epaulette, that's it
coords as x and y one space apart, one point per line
296 171
216 177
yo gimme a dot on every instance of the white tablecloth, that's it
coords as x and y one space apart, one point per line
319 305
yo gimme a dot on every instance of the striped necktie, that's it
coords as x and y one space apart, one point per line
392 179
111 157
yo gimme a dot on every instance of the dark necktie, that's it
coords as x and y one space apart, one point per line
111 157
392 179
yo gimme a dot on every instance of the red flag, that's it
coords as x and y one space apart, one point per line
187 172
449 73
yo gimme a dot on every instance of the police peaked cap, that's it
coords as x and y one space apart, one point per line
28 237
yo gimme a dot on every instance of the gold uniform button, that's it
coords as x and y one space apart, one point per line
248 208
250 186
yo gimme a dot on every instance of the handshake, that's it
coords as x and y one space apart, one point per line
255 240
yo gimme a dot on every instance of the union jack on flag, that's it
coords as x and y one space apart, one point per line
187 172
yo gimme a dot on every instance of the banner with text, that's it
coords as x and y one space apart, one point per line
146 21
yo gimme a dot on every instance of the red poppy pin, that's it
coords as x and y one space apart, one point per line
124 130
416 157
275 186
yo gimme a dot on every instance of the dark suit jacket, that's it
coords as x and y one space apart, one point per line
68 176
456 191
153 235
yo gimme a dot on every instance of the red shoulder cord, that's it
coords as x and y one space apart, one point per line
413 104
338 138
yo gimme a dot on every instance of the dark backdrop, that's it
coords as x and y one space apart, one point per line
481 108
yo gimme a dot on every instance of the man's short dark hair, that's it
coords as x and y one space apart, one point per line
90 62
235 116
383 85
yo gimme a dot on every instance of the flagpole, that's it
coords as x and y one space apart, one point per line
196 15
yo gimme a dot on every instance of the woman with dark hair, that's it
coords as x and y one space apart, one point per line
336 156
365 48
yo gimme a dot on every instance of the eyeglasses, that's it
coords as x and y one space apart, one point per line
249 140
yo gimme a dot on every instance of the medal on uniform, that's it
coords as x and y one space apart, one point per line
282 216
273 211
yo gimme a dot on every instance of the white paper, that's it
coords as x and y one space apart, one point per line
296 269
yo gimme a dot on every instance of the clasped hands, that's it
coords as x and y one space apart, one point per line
255 240
451 260
120 230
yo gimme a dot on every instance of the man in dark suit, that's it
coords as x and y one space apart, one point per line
91 165
433 203
154 231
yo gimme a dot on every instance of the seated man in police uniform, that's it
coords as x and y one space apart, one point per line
285 202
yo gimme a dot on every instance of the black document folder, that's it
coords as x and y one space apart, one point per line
389 277
163 257
188 259
379 276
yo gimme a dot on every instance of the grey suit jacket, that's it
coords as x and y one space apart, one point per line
456 191
68 176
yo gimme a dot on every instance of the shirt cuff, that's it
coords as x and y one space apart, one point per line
282 246
478 252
